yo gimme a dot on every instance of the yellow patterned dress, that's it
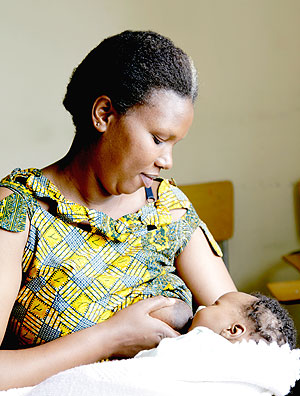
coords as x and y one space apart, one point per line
74 278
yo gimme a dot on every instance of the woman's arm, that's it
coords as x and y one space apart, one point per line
125 334
12 246
203 272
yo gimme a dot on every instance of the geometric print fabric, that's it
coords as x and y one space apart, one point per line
73 277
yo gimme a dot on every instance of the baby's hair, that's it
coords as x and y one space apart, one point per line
271 321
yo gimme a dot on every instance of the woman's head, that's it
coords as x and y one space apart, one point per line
127 68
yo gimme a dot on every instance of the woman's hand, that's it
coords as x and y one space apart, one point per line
134 329
123 335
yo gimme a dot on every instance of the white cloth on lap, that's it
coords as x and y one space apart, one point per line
200 362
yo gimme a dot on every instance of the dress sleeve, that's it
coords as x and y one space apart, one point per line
190 221
13 211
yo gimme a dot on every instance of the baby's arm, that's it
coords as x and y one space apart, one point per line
177 315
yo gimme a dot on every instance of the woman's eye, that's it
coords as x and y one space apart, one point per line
156 140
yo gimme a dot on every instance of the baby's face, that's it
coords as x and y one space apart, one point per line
223 313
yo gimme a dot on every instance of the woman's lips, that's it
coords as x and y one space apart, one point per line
147 180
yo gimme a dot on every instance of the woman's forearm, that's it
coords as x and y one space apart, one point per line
123 335
27 367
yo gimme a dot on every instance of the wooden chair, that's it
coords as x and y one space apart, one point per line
214 204
289 291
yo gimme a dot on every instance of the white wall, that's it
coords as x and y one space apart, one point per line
247 121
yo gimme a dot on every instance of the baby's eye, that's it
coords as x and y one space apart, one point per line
156 140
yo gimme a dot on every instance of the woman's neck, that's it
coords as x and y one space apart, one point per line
74 177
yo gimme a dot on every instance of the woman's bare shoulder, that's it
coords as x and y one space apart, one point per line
5 192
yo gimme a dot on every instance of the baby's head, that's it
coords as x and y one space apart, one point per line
238 316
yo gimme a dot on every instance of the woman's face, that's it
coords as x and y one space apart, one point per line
136 146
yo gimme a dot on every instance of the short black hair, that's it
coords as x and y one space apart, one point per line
271 321
127 68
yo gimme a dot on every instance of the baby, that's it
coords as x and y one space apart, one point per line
210 360
239 316
201 362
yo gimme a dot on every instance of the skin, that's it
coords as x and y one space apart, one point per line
138 145
177 316
132 148
225 316
130 151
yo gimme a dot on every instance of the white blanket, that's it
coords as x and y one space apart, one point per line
198 363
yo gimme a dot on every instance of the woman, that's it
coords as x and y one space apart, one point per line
98 230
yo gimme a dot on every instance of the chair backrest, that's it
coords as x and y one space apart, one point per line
214 204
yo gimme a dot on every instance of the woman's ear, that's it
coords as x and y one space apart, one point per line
235 331
101 112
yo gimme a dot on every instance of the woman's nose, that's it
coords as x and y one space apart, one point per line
165 160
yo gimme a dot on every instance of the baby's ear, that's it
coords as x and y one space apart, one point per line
235 331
